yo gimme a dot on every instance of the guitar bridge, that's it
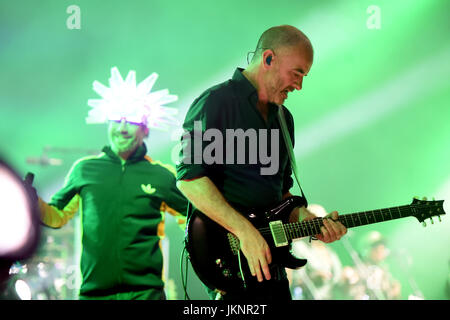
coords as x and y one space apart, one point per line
278 234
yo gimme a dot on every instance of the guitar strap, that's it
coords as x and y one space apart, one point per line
289 147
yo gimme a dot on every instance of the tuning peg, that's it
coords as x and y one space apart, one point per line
432 222
439 217
424 198
424 224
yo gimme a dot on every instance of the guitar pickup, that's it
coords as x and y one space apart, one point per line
278 233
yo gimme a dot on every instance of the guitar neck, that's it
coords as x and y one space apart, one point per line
312 227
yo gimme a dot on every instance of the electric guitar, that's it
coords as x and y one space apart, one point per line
215 253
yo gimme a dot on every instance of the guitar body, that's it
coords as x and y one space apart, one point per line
214 252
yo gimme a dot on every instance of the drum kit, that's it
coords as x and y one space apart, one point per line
45 276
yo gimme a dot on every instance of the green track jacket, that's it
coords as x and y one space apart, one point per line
122 209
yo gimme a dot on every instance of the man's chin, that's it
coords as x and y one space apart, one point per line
279 101
124 148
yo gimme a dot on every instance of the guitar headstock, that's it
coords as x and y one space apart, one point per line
427 209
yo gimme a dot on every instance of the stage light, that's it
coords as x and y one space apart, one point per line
19 220
14 215
366 109
23 290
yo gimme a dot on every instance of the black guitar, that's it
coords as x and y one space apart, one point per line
215 253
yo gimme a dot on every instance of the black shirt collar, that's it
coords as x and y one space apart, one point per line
248 92
246 88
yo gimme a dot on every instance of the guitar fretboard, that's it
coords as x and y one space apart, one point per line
312 227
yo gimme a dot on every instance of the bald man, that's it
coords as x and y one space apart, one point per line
222 191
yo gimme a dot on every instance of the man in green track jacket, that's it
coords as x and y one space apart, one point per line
122 195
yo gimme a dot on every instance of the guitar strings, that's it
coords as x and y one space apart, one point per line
315 224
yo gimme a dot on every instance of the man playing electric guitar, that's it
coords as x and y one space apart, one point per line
222 191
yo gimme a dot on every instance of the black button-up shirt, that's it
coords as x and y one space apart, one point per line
233 105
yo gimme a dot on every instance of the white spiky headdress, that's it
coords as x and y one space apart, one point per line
125 99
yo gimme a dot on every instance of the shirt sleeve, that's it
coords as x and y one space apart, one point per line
56 218
175 203
64 204
203 114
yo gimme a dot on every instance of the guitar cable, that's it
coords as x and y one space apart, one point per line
240 268
184 279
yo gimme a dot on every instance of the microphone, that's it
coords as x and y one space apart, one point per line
29 178
28 184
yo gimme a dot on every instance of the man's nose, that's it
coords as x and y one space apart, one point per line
298 84
123 125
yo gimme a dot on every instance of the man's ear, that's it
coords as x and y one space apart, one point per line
267 58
